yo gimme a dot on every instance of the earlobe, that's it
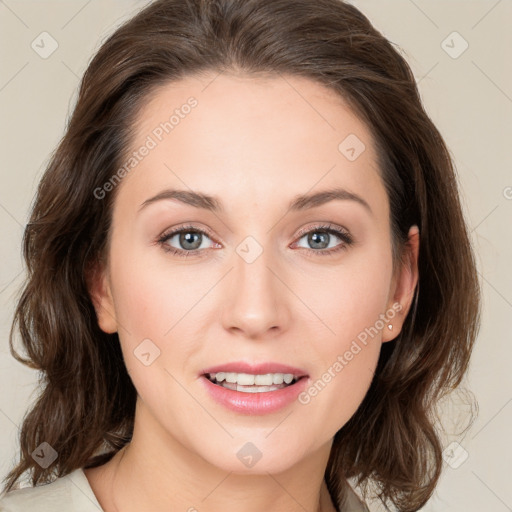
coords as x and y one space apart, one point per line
98 284
405 286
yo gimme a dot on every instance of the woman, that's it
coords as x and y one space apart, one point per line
250 279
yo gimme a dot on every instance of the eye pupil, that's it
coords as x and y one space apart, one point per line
323 239
187 238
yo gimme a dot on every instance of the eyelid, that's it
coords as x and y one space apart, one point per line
186 227
323 226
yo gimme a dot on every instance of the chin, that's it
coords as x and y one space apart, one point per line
258 457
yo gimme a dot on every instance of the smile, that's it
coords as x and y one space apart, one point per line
250 383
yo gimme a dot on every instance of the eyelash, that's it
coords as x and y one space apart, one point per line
324 228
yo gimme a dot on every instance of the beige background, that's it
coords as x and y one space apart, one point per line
469 98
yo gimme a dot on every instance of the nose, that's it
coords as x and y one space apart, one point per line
256 299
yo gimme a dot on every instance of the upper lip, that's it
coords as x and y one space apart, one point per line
256 368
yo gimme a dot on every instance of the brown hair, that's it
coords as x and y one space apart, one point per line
86 407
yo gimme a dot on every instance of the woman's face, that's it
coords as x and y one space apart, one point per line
265 284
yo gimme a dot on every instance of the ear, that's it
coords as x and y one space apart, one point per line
98 284
403 286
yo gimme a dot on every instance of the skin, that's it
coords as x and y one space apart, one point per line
256 144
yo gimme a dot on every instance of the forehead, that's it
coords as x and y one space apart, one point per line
257 138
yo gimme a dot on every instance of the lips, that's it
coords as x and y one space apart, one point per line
256 369
261 400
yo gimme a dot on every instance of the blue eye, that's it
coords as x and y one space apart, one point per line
320 237
191 240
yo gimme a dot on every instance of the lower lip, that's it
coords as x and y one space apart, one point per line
254 403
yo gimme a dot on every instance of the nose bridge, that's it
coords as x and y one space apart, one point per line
256 302
252 264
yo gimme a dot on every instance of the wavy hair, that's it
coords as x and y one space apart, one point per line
85 409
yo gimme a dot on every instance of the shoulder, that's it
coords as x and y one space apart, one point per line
353 503
70 493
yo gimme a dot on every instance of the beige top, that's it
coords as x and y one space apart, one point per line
72 493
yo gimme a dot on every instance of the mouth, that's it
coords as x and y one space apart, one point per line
253 383
254 388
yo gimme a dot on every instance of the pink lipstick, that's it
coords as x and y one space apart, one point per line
254 388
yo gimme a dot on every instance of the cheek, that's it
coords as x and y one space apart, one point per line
156 301
149 298
148 309
349 298
141 306
347 363
351 306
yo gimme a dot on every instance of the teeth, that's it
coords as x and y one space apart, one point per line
251 389
287 377
247 379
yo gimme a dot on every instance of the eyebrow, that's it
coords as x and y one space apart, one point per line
298 203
